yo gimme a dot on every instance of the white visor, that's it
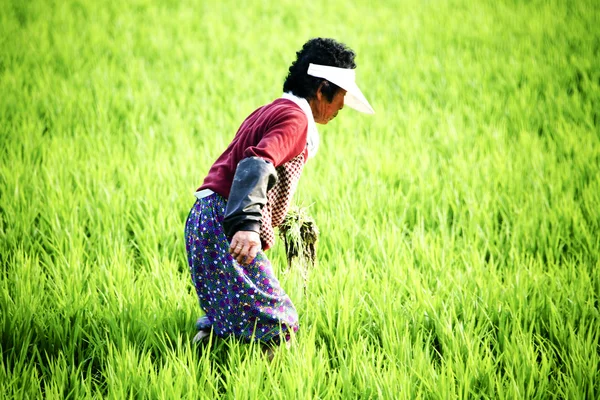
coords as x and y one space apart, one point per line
344 78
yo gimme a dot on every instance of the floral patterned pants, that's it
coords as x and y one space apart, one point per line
244 301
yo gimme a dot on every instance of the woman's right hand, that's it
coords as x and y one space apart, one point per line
244 246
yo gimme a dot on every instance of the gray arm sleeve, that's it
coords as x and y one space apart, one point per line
253 178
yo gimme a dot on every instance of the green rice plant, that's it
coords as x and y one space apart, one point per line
458 246
300 235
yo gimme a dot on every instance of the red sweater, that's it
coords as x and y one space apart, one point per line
275 132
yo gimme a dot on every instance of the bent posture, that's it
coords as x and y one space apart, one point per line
247 193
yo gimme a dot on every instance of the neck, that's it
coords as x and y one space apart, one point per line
313 107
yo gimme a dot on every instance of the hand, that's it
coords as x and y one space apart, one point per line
244 246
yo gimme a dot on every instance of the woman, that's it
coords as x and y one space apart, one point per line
247 193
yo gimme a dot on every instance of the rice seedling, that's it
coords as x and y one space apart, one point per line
300 234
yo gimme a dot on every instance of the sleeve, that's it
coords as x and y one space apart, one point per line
252 180
284 139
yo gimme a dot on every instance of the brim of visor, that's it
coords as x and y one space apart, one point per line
355 98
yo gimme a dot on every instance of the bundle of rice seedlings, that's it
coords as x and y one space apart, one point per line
300 235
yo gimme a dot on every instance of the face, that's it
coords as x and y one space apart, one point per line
323 110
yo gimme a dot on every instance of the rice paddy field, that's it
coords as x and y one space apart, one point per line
459 252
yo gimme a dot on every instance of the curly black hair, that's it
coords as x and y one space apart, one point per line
322 51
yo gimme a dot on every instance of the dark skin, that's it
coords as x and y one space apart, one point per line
246 244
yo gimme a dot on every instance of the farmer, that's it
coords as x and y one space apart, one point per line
247 193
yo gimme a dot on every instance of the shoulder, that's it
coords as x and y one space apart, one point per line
278 117
283 109
280 112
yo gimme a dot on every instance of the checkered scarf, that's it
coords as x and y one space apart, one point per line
279 199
